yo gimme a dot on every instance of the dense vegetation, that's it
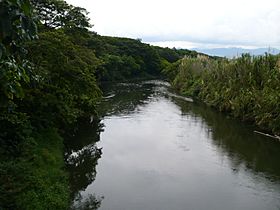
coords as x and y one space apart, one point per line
246 87
51 68
46 84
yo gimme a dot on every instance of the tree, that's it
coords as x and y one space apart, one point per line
65 87
59 14
16 26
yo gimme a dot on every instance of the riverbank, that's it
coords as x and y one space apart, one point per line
247 88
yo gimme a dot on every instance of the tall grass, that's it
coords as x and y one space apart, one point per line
248 87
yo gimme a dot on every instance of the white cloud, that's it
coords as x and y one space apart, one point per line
215 22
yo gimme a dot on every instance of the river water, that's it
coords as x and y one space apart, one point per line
162 152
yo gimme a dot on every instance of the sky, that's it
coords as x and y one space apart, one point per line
188 23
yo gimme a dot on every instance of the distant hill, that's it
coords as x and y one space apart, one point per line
233 52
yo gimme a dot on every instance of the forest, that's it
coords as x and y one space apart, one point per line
52 68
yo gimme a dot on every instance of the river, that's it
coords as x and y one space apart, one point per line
157 151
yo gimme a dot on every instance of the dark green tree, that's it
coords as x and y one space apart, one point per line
58 14
65 87
16 26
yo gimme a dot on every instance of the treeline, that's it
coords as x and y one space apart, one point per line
51 67
125 59
246 87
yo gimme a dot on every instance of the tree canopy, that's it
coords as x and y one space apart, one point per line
55 14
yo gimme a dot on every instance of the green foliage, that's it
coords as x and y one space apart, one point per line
118 68
59 14
171 69
124 58
16 26
246 87
36 179
39 97
168 54
65 79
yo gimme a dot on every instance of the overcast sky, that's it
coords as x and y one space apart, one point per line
188 23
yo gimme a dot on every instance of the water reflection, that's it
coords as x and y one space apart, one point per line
81 157
125 98
163 152
237 141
